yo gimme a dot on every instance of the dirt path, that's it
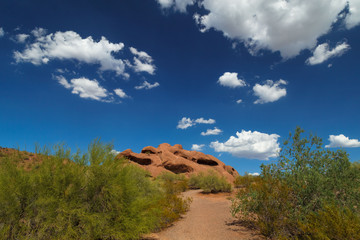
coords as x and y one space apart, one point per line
209 218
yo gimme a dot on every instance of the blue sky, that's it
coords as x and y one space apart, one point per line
229 78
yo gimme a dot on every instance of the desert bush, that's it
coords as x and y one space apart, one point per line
81 196
210 182
356 165
195 180
292 195
270 201
331 222
173 205
173 183
245 181
172 208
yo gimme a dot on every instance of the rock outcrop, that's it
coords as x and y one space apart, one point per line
177 160
24 159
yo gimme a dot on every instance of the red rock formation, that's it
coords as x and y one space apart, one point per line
24 159
177 160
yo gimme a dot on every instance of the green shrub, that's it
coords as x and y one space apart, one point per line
195 180
173 183
331 222
172 208
356 165
245 181
292 194
271 202
81 196
210 182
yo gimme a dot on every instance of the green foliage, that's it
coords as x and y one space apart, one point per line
195 180
294 194
81 196
356 165
172 208
271 202
210 182
331 222
245 181
173 183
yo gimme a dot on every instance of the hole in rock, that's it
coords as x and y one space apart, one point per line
207 162
141 161
179 168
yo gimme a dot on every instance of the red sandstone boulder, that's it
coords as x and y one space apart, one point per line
177 160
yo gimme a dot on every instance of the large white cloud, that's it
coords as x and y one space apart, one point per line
269 92
353 18
323 53
231 80
288 26
179 5
146 85
70 45
185 122
342 141
197 147
251 145
214 131
2 33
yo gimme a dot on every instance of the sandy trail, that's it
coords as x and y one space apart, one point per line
209 218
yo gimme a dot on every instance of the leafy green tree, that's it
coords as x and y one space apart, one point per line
305 181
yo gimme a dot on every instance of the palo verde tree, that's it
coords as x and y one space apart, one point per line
309 186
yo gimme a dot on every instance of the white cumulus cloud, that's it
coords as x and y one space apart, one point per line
143 62
342 141
214 131
269 92
70 45
251 145
114 152
239 101
231 80
179 5
39 32
205 121
323 53
255 174
146 85
353 18
185 123
277 25
21 38
197 147
120 93
85 88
